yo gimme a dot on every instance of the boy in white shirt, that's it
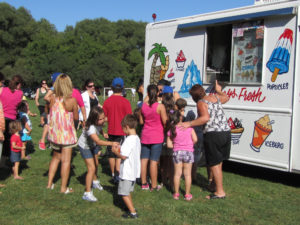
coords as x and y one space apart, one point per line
130 168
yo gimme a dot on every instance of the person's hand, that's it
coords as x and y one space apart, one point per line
115 147
218 87
185 124
105 135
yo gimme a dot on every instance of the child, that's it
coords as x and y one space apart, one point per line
182 141
26 126
16 147
89 148
130 168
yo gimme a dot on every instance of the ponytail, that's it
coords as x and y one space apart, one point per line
152 91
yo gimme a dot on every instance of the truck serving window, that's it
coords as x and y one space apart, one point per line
247 52
219 40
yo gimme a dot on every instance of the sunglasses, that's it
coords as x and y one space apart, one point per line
90 86
44 83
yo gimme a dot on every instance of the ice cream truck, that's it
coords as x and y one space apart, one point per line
255 52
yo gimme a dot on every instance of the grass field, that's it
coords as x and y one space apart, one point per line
254 196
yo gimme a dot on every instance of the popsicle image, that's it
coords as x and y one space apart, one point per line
280 57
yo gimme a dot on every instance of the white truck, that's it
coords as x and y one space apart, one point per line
255 50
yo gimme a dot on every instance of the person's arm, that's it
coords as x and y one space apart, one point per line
203 116
83 111
194 136
14 146
141 119
48 96
37 97
75 110
169 142
163 114
100 142
222 95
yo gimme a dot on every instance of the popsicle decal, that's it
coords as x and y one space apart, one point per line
262 129
236 130
280 58
190 78
158 72
180 61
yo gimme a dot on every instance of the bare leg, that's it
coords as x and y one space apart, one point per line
90 174
66 154
218 178
96 163
144 166
187 171
112 163
153 173
128 202
16 171
23 151
117 166
44 134
177 176
53 167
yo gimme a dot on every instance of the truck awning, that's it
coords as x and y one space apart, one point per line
275 12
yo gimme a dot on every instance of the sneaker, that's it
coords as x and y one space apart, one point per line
157 188
116 179
176 196
42 146
97 185
89 197
130 215
188 197
145 186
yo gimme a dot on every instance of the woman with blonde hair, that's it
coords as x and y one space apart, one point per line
62 133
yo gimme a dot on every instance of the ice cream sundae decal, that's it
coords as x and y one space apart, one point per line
190 78
280 58
236 130
180 61
158 72
262 129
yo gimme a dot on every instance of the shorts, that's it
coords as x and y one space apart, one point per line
15 156
151 151
25 137
114 138
88 153
125 187
217 147
41 109
183 157
58 147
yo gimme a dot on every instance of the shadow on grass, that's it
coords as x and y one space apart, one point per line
117 199
272 175
6 172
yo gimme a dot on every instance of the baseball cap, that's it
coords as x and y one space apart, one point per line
118 81
167 89
54 76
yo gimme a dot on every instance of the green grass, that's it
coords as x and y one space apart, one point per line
254 196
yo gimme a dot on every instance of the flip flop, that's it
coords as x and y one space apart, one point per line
2 185
68 191
213 196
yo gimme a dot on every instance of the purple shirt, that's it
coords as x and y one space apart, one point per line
153 131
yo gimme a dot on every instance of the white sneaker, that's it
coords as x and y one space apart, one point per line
89 197
97 185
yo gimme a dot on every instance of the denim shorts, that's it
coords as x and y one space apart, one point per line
125 187
151 151
88 153
183 157
15 156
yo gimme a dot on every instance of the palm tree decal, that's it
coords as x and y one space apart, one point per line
158 72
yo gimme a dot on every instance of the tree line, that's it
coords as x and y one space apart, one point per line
97 49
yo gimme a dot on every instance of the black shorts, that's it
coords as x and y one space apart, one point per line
115 138
41 109
217 147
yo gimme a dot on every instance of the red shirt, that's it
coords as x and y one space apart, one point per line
116 107
17 140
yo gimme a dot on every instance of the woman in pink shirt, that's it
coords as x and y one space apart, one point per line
10 97
154 117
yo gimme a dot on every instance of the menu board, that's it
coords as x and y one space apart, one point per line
247 52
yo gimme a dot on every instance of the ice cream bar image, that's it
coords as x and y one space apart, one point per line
280 58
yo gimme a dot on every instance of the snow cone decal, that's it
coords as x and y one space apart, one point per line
236 130
180 61
280 58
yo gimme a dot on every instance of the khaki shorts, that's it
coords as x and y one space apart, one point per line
58 147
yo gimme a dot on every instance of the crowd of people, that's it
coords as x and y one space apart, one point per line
154 144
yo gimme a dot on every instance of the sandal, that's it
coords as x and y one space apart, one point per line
188 197
68 191
213 196
176 196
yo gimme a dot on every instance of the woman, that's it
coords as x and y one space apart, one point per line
10 97
217 136
62 133
154 117
89 97
40 101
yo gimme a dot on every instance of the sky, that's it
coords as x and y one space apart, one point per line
68 12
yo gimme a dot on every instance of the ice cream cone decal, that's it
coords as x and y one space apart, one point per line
280 58
236 130
262 129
